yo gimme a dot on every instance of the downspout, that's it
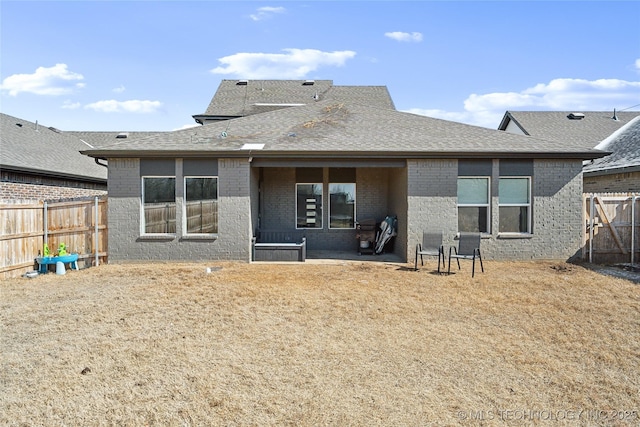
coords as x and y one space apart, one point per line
97 160
97 254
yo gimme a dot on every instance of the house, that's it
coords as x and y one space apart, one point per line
324 163
618 172
44 163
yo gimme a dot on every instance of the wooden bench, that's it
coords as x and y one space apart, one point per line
279 245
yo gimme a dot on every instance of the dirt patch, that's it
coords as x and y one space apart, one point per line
302 344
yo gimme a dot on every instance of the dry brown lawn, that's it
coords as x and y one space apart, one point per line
343 344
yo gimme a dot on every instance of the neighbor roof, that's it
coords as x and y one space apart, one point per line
341 130
588 131
28 147
624 146
239 98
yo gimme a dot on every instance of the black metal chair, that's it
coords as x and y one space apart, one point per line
468 248
431 246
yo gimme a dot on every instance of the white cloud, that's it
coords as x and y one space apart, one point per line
131 106
404 37
119 89
68 105
56 80
637 64
293 64
266 12
558 95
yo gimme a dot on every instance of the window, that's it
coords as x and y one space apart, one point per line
159 205
309 205
473 204
201 205
515 204
342 205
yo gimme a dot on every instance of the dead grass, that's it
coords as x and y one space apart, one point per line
342 344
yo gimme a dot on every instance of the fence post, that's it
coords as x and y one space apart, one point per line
96 232
633 228
592 208
45 223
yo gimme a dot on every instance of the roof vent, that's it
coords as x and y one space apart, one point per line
242 82
615 116
51 128
575 116
308 83
19 125
122 135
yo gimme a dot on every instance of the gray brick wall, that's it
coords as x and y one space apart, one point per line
423 196
557 209
278 199
234 208
432 200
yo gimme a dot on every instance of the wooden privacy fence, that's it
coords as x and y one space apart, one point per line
612 228
80 224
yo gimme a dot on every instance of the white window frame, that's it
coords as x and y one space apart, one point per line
527 205
477 205
321 206
355 201
142 205
185 202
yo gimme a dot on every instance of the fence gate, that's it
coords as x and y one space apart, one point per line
611 233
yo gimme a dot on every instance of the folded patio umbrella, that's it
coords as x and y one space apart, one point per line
388 229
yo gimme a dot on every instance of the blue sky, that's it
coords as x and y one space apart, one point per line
151 65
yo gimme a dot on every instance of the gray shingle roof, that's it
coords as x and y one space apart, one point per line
556 126
329 128
624 146
259 96
27 147
103 139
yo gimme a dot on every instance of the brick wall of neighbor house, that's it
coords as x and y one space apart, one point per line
557 209
234 212
19 191
615 183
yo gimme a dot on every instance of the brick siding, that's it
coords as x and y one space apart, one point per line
234 211
19 191
615 183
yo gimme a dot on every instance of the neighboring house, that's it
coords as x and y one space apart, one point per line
618 172
44 163
200 193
